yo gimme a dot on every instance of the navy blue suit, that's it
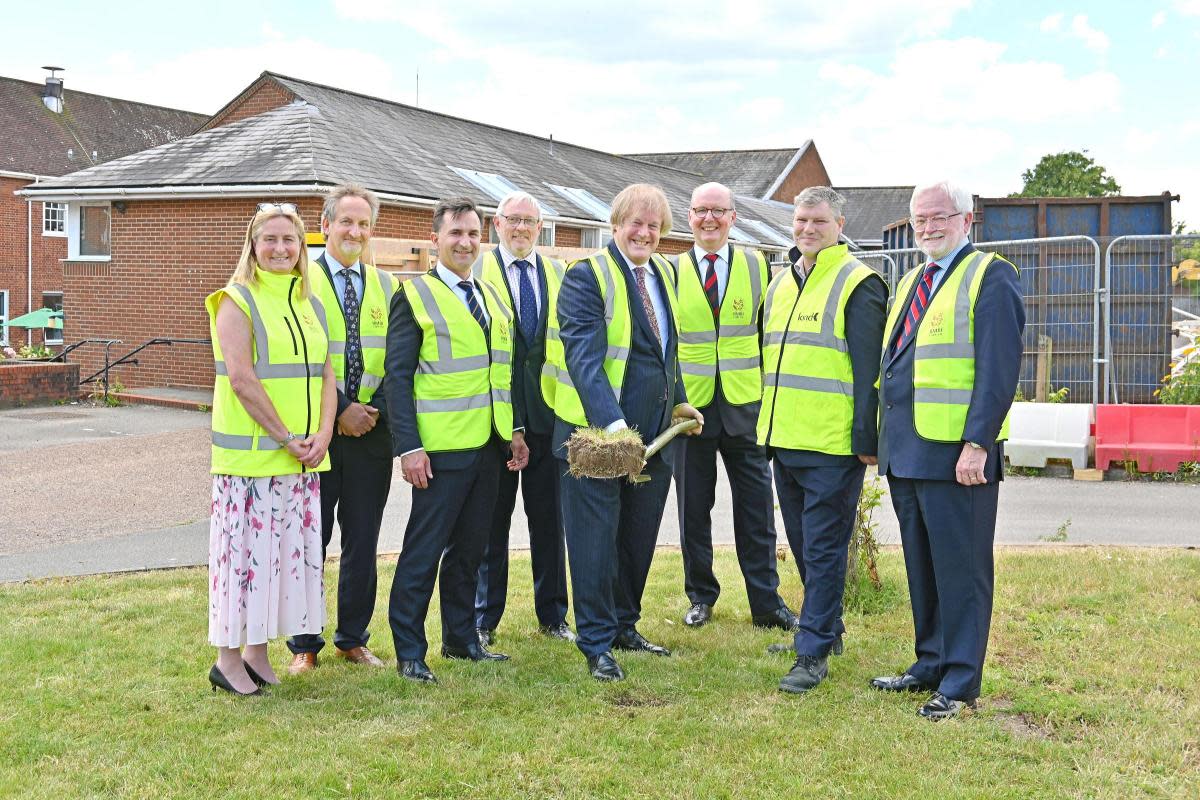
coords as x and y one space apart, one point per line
947 529
354 491
729 430
818 492
539 489
611 524
448 522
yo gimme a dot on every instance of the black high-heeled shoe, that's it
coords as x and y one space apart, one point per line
219 681
259 680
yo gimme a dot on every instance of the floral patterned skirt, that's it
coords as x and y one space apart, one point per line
265 567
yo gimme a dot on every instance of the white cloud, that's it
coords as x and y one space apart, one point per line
1189 8
1158 19
1052 23
1092 38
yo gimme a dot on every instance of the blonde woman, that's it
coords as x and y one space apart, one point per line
274 402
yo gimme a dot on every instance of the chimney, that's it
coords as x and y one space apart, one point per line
52 95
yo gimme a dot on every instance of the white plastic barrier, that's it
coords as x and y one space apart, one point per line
1041 431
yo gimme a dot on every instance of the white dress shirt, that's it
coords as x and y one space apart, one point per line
512 274
699 253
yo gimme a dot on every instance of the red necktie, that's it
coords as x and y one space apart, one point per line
711 290
917 307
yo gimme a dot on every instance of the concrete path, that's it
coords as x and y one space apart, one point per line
90 489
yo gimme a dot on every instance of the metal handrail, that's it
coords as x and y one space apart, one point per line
102 374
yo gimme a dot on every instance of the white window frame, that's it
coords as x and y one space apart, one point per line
595 238
59 211
4 317
591 205
546 237
494 186
73 229
57 333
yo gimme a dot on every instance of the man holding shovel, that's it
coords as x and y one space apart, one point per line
614 345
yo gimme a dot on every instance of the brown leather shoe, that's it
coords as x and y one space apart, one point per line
359 655
302 663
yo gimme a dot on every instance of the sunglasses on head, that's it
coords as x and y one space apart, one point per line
283 208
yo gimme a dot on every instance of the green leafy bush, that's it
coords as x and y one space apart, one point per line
1182 388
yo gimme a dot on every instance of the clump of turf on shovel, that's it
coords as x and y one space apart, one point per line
595 453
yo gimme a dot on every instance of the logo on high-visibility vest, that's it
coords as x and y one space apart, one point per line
377 317
937 323
811 317
739 307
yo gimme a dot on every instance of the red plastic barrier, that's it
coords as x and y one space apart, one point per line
1158 438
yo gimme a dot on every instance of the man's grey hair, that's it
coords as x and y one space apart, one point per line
815 195
963 202
517 197
336 194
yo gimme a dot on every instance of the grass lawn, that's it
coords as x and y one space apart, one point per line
1091 690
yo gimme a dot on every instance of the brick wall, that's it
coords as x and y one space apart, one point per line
14 256
567 237
167 256
37 384
261 96
809 171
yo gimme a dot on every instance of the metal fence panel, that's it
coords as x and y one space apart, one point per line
1151 313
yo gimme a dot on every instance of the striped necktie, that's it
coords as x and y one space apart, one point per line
711 289
473 304
917 307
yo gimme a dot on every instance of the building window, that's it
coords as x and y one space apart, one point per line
4 317
94 230
546 237
595 238
54 302
54 219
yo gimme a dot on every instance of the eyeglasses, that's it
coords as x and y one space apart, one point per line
921 223
283 208
517 222
717 213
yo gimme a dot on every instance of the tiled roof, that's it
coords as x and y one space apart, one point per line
36 140
329 135
746 172
870 209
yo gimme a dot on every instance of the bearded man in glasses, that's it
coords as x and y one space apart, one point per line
951 358
356 297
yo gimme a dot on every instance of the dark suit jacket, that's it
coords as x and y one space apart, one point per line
528 358
653 384
403 352
720 416
999 323
866 314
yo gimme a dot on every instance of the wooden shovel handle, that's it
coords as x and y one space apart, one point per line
666 436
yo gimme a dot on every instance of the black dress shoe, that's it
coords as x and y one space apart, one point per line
259 680
605 668
901 683
485 636
630 639
219 681
415 670
559 631
806 673
697 615
942 707
783 618
472 652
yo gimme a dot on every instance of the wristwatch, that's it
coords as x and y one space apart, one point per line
975 446
291 437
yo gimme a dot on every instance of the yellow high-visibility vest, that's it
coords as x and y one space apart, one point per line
378 287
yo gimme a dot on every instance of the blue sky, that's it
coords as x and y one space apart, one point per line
892 93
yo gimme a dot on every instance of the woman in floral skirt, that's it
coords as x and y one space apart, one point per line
274 402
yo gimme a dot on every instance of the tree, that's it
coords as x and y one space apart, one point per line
1069 174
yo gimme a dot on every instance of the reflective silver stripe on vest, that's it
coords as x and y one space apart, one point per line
454 403
558 268
263 356
826 337
229 441
337 348
733 364
943 397
388 284
564 377
369 381
609 285
451 365
697 337
319 309
828 385
501 396
278 370
441 330
703 370
373 341
962 346
771 290
739 330
755 291
810 339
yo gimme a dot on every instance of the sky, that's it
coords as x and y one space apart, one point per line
891 93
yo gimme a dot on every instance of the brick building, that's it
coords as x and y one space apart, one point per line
49 132
178 212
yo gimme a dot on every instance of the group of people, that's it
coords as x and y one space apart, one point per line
476 374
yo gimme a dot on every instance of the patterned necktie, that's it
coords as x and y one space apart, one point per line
528 314
473 304
917 307
354 355
647 303
711 289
